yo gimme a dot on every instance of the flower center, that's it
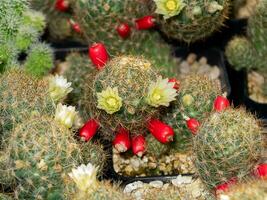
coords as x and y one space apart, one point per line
156 96
171 5
111 101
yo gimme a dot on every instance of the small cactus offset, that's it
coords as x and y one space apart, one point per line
128 92
227 147
100 20
190 21
20 96
195 100
250 190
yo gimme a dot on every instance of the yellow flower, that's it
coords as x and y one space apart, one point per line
85 177
59 87
66 115
109 100
161 93
187 100
169 8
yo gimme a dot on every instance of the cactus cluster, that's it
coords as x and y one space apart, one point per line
249 52
190 21
250 190
228 146
131 76
195 100
19 33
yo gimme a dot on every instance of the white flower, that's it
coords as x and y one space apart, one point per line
85 177
161 93
59 87
66 115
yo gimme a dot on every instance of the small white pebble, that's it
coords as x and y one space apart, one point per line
133 186
156 184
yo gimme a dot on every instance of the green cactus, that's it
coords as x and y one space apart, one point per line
132 77
34 19
155 148
25 37
250 190
40 160
228 145
20 96
5 197
194 20
39 60
195 100
78 67
99 22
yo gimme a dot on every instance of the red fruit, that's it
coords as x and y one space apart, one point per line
122 141
139 145
261 171
192 125
161 131
89 129
225 186
75 26
98 55
221 103
124 30
62 5
144 23
177 83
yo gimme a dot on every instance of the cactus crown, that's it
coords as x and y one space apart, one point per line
228 145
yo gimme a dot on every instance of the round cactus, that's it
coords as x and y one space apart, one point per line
128 92
155 148
21 95
40 160
228 145
99 22
250 190
190 21
195 100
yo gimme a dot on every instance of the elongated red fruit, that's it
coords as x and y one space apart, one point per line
261 171
124 30
122 141
139 145
145 22
192 125
98 55
89 129
221 103
62 5
75 26
176 83
161 131
225 186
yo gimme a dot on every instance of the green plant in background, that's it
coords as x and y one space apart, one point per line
127 92
192 20
250 52
249 190
195 100
228 145
99 21
58 14
21 35
20 96
40 161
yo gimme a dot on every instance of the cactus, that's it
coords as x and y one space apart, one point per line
228 145
78 67
21 95
5 197
193 20
195 100
127 81
39 60
250 190
40 160
155 148
99 21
